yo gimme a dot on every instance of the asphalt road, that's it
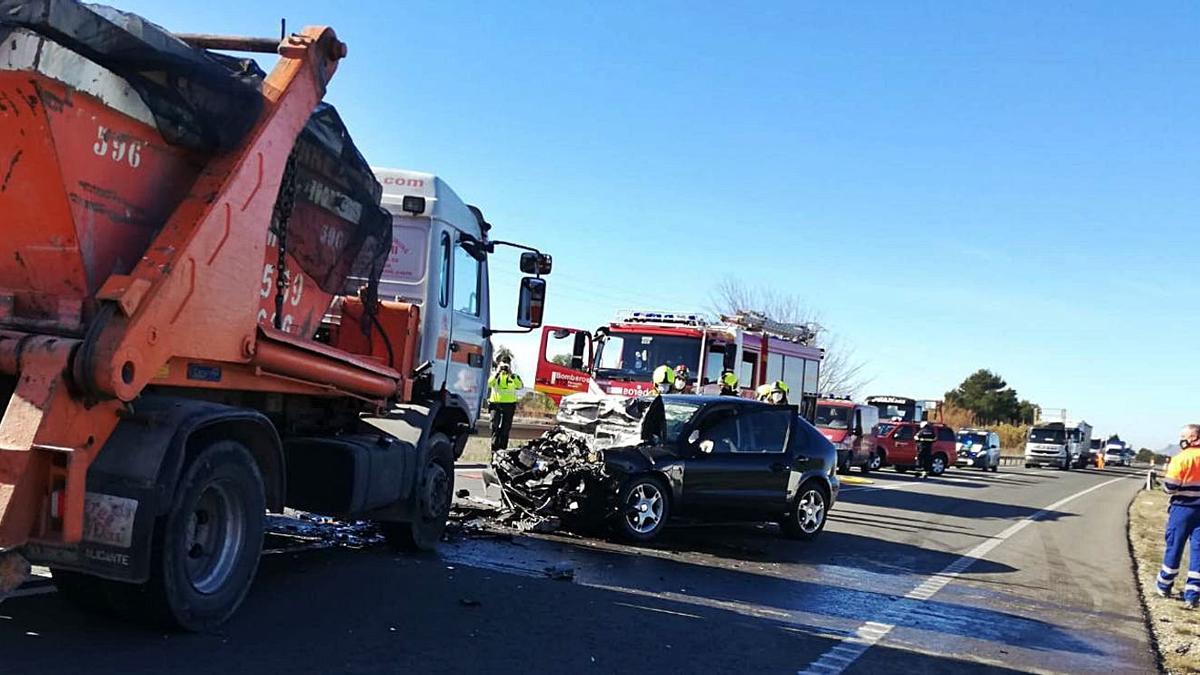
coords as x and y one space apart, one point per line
1025 570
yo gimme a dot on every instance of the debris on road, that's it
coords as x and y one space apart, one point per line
302 530
562 571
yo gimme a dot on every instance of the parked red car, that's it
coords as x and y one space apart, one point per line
898 445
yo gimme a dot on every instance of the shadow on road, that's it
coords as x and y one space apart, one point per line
962 507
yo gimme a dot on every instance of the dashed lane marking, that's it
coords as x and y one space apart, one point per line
841 657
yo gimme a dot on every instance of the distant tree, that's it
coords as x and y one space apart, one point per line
561 360
989 398
1146 455
842 372
1027 412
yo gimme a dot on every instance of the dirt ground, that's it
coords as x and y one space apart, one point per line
1176 629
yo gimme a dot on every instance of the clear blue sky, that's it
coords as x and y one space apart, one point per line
953 186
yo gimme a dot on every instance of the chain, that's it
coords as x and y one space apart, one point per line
283 212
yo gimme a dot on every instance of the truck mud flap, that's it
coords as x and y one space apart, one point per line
117 532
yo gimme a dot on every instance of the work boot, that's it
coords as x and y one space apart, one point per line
1191 604
1162 592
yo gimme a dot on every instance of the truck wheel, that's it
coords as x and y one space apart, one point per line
1065 465
206 548
937 465
643 509
435 492
843 467
807 516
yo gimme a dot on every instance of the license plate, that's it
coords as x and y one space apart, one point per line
108 519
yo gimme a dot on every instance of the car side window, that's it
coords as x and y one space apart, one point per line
764 430
904 434
722 429
945 434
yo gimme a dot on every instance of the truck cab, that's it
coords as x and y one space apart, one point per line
435 264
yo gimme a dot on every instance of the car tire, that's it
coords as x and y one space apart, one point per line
873 462
434 497
643 507
809 511
937 464
996 466
206 548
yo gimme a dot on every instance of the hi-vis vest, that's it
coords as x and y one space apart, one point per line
504 388
1182 480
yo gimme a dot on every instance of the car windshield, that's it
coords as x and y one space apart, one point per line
677 415
1047 436
883 428
833 416
972 439
634 356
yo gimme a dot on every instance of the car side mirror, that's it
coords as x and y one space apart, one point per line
706 446
693 437
531 303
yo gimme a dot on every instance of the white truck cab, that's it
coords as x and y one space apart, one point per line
438 261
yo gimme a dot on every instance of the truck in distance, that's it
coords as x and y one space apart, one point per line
1054 440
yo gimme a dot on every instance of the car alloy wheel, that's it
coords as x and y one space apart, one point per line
937 466
876 462
644 508
810 512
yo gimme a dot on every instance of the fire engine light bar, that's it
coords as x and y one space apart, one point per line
676 318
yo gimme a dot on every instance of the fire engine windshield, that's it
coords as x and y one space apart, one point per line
634 356
895 411
833 416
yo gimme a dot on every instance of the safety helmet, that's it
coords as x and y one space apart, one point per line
729 380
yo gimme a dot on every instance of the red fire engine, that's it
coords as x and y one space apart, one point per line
620 358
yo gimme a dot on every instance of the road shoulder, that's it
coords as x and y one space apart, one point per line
1174 631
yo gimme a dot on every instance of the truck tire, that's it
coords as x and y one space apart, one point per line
207 547
435 493
808 513
644 506
1065 465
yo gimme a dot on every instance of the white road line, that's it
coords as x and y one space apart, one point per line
871 632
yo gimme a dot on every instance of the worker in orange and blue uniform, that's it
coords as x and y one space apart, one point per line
1182 482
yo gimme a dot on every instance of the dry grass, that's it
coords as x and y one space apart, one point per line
1012 436
1176 630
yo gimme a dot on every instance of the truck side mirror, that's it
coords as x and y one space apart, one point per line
531 303
536 263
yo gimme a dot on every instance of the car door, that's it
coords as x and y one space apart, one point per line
904 446
745 469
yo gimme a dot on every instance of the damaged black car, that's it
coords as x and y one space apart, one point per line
633 464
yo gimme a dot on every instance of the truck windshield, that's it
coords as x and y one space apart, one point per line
833 416
892 411
1047 436
634 356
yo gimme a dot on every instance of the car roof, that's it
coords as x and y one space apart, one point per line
707 399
